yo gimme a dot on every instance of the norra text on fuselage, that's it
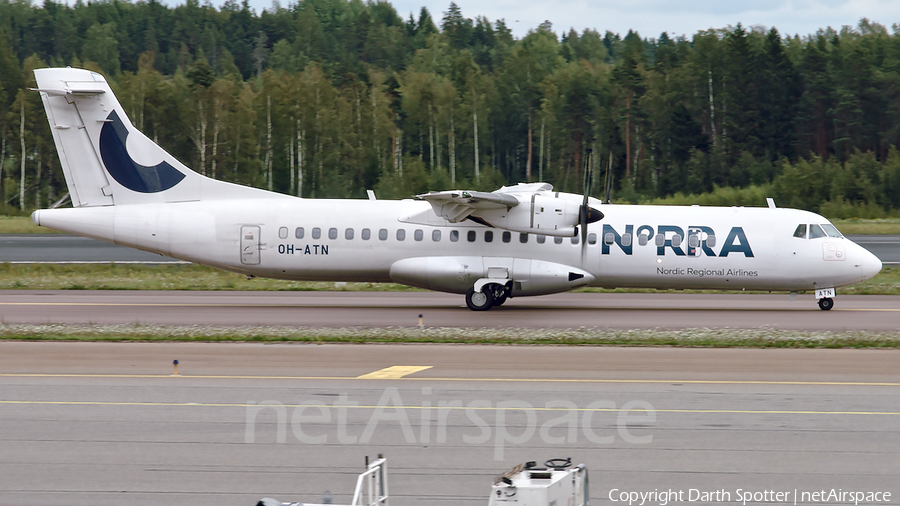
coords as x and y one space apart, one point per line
697 240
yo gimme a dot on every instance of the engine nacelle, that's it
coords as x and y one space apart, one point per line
544 215
458 274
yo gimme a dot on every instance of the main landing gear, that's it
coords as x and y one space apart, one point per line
826 304
490 295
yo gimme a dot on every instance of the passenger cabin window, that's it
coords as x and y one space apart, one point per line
676 240
454 235
800 231
541 239
523 238
366 234
507 237
419 234
592 238
471 236
626 240
317 233
488 236
282 233
643 239
382 234
348 234
298 232
436 235
557 240
401 234
609 238
816 232
332 233
575 240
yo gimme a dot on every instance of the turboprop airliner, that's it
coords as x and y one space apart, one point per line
516 241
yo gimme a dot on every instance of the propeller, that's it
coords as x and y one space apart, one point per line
586 214
608 178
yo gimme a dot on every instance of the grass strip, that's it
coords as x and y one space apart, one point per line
198 277
761 337
158 277
22 225
856 226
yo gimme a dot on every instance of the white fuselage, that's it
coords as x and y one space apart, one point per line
357 240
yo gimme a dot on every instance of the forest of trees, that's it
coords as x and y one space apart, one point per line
328 98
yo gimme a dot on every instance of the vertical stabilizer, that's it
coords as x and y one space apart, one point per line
87 183
105 159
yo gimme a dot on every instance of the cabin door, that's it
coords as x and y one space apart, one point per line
250 245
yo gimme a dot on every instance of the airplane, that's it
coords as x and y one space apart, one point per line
517 241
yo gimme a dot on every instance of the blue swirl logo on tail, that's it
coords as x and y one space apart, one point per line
126 171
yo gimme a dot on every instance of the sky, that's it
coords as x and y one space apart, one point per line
652 17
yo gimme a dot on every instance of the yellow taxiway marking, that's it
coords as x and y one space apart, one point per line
496 380
413 369
452 408
395 372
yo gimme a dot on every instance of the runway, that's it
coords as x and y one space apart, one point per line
36 248
107 424
393 309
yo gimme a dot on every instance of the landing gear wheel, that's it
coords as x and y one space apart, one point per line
499 292
826 304
479 301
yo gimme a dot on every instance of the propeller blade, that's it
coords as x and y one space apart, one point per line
609 177
584 210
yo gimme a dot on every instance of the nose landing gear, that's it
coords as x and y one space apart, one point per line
825 296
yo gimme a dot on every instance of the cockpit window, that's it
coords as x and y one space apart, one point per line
815 231
801 231
831 230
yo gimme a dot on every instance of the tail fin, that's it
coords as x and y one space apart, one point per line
105 159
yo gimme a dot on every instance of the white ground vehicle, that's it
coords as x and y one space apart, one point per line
556 484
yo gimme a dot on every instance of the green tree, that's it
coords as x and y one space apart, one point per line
102 46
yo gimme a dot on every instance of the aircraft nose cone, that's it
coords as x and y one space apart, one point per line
871 265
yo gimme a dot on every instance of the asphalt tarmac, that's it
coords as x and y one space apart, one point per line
108 424
392 309
32 248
